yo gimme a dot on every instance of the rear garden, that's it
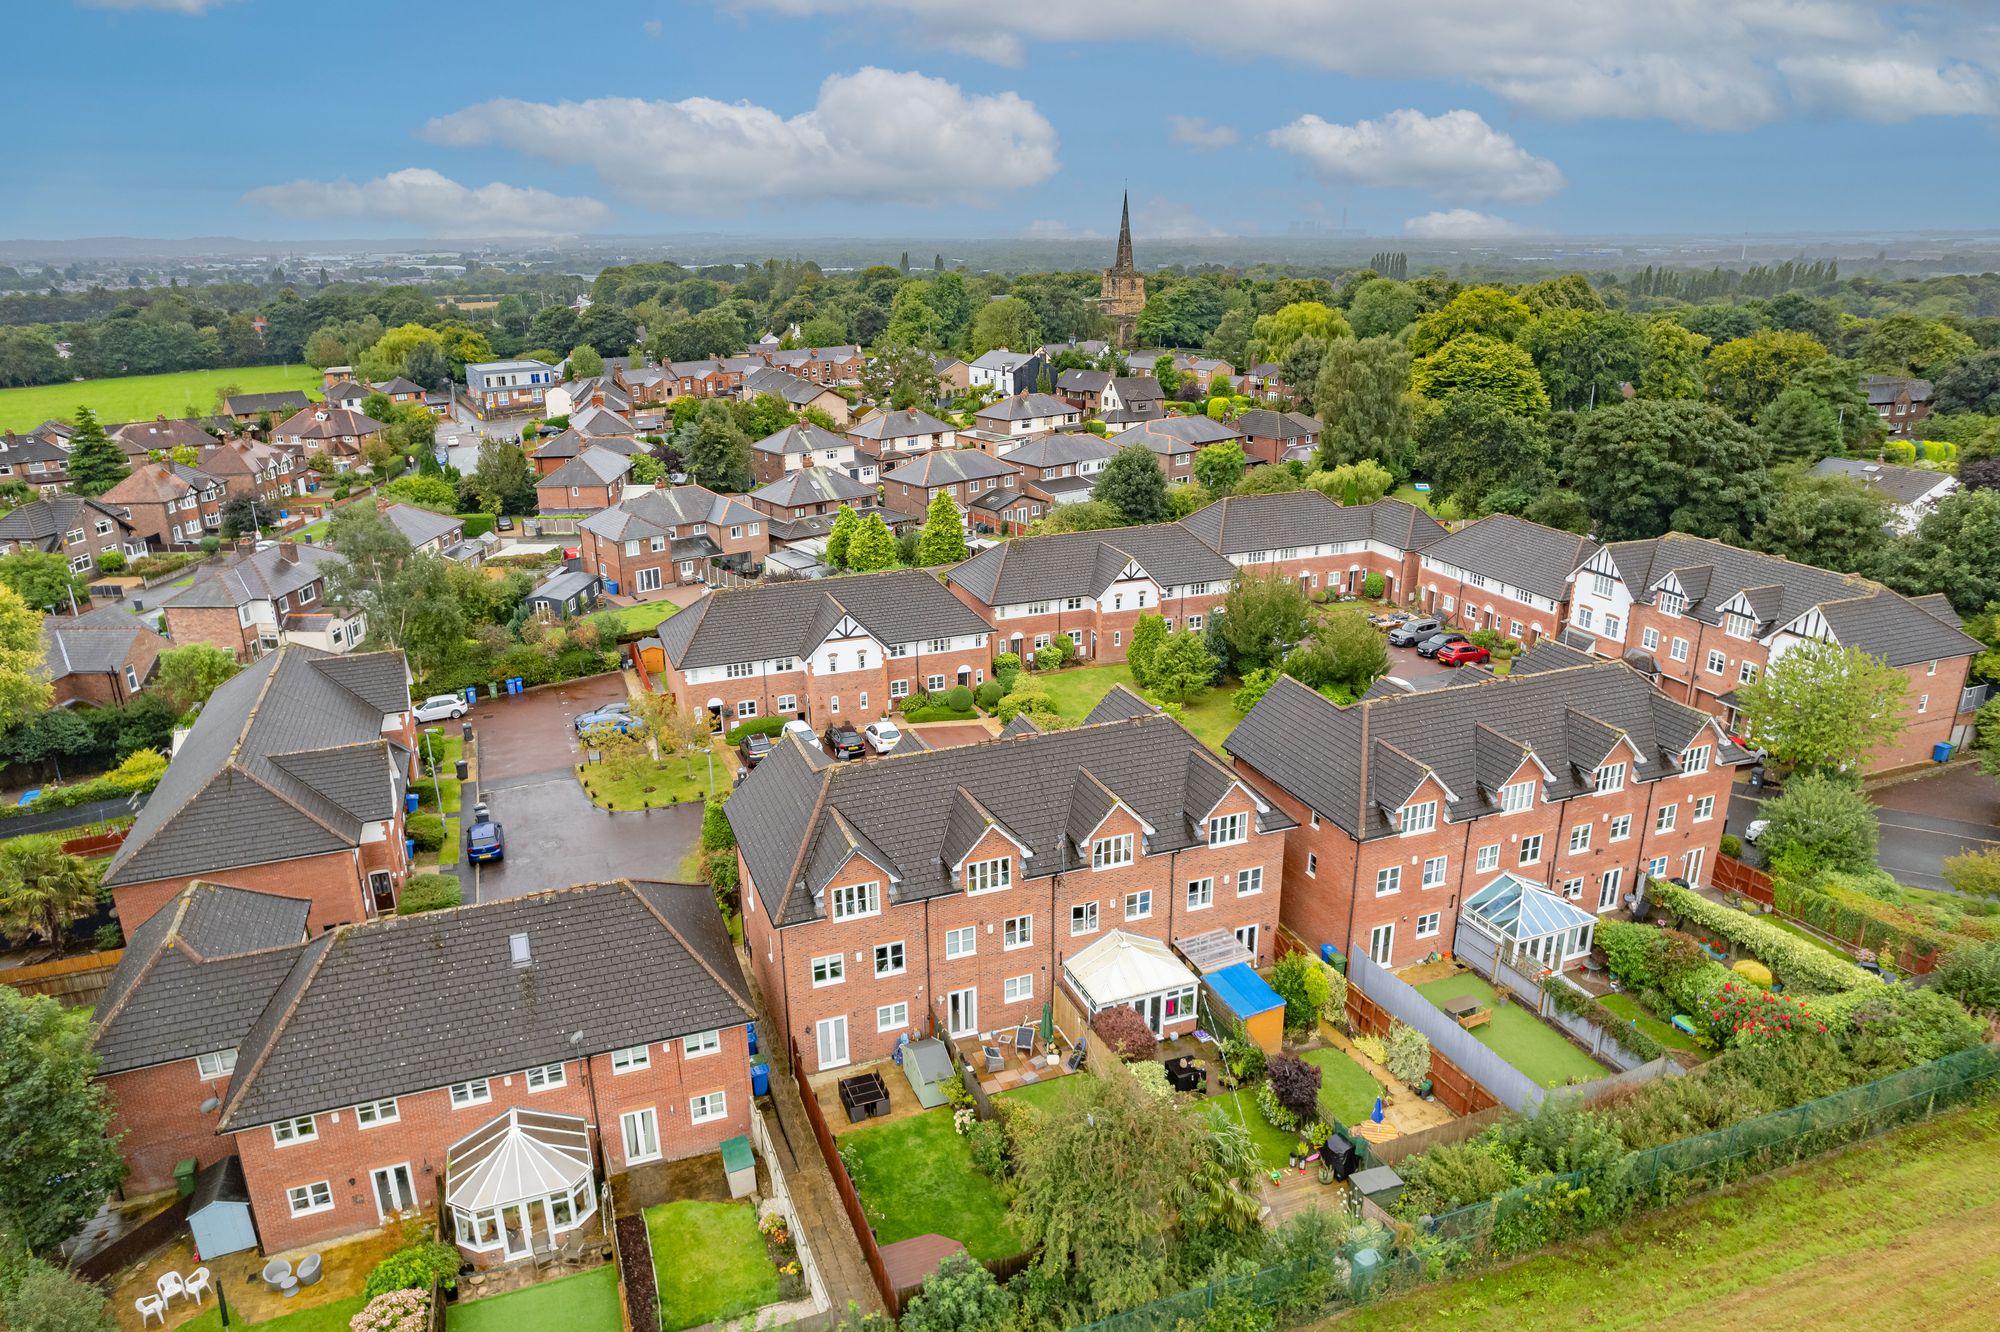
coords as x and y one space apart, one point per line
917 1176
1516 1034
713 1261
586 1302
1078 689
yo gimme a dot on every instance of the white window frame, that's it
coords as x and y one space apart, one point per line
1111 852
1704 809
292 1132
1531 851
892 1017
1201 893
701 1044
1229 829
1436 869
855 900
1486 859
1430 924
968 935
1621 827
1417 818
1666 817
1388 880
1017 932
545 1077
1083 918
829 969
215 1064
707 1107
317 1197
1610 778
1250 881
476 1091
1579 838
631 1059
1142 897
634 1128
374 1114
1516 797
989 876
1016 989
891 959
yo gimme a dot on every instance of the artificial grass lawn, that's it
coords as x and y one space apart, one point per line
917 1178
1518 1036
672 782
1908 1223
710 1262
142 397
1666 1033
321 1318
1346 1090
587 1302
642 618
1077 689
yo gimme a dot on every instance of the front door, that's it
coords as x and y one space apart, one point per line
381 886
832 1034
395 1193
961 1012
1691 866
1381 944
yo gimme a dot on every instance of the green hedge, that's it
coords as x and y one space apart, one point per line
476 524
426 830
138 774
938 712
1801 966
429 892
737 734
1566 998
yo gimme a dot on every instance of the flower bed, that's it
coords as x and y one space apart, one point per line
783 1252
1799 965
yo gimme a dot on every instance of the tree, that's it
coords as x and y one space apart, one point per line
1745 374
1986 737
1008 322
1829 522
1798 427
1908 344
959 1296
1585 356
1822 706
1300 980
1276 333
943 539
845 520
1670 361
43 890
429 366
1837 384
1474 444
1181 315
1647 468
1219 467
714 450
873 546
1167 373
1342 656
42 578
1381 308
430 491
41 1297
500 476
191 673
243 514
96 463
23 690
1182 666
1263 617
1972 384
1477 363
913 320
1956 549
1148 632
1819 823
1363 396
1132 484
1083 516
58 1153
902 375
585 362
1485 312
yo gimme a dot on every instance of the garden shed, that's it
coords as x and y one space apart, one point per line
566 595
219 1210
1525 925
1237 993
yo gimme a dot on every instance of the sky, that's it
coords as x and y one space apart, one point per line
273 119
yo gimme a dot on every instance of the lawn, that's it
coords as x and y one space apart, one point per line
1906 1225
320 1318
1077 689
1273 1145
1666 1033
652 784
1053 1096
1409 494
586 1302
1541 1052
710 1262
1346 1089
641 619
916 1177
142 397
1799 932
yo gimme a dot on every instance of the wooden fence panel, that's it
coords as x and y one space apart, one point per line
1459 1092
70 981
134 1244
857 1216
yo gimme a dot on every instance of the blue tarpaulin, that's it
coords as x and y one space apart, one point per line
1243 991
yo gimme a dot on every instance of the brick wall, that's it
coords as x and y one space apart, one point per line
1483 608
334 883
814 694
217 626
159 1122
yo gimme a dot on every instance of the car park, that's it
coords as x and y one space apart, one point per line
882 736
441 707
754 749
1412 632
1462 654
485 841
844 742
1431 646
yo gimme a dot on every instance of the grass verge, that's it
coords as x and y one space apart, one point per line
917 1178
710 1262
1077 689
651 785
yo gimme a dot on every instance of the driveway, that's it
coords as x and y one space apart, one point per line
1921 822
535 732
1420 672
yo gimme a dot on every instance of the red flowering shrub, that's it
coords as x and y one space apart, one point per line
1742 1012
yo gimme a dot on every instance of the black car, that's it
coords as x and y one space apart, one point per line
1430 646
754 749
1413 632
844 742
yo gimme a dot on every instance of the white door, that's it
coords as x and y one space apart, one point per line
961 1012
648 580
832 1033
1691 866
516 1230
1247 936
1381 944
1607 889
394 1191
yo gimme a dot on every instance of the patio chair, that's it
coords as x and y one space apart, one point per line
308 1272
197 1284
1075 1060
275 1273
995 1061
151 1307
1024 1040
170 1285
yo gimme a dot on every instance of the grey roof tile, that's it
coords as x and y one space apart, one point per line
762 621
1077 564
1514 551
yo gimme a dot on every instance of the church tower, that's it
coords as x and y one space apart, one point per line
1123 294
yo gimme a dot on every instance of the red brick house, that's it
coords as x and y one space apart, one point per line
1903 404
291 782
1327 547
1570 775
593 480
39 458
259 600
102 657
69 525
232 1033
1092 586
836 648
173 506
902 434
1275 437
1003 424
561 448
160 435
251 467
340 433
674 535
825 366
966 475
1063 466
1703 618
810 492
953 891
807 445
1502 573
1176 439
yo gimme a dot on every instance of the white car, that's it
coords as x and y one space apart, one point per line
1755 830
882 736
805 733
441 707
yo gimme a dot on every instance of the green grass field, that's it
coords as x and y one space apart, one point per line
1077 690
1904 1229
1518 1036
710 1262
917 1178
141 397
333 1317
1346 1090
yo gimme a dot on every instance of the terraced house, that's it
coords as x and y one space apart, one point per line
675 535
480 1062
1571 775
838 649
1503 573
953 891
1703 618
1327 547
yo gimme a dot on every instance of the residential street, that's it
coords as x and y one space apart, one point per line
1921 821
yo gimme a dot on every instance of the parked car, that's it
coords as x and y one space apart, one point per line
1412 632
844 742
1462 654
486 840
754 749
1431 646
600 716
1755 829
1389 619
441 707
803 730
882 736
503 524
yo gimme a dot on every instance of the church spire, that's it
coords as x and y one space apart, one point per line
1123 263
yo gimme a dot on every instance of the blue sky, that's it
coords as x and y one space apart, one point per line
270 118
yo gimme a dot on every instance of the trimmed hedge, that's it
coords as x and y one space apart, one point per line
139 773
426 830
1801 966
476 524
1566 998
1843 906
429 892
737 734
937 712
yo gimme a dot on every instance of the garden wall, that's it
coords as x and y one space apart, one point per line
857 1217
1396 998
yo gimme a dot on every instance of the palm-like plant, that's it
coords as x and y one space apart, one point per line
43 888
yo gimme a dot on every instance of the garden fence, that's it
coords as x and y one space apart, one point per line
1400 1000
857 1216
1546 1211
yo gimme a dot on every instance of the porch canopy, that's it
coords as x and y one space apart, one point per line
519 1181
1530 923
1132 969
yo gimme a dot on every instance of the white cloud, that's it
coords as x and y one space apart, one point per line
190 7
653 27
873 136
438 205
1196 132
1458 224
1456 155
1711 64
1170 220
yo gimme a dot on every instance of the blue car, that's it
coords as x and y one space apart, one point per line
485 840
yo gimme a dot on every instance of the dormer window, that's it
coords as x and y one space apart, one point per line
986 876
1111 852
1672 603
1611 777
857 899
1417 818
1228 830
1517 796
1695 760
1738 625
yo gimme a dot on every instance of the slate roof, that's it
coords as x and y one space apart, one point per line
891 426
1026 406
1002 359
258 575
758 622
803 438
45 520
94 643
1267 424
813 485
1780 591
422 525
1063 448
1904 485
667 510
285 400
594 422
1140 388
196 974
410 1003
1022 724
1119 704
794 390
1243 524
798 821
344 389
1176 434
399 385
287 759
322 422
1084 564
593 467
163 435
945 467
560 587
1355 763
1514 551
1084 381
